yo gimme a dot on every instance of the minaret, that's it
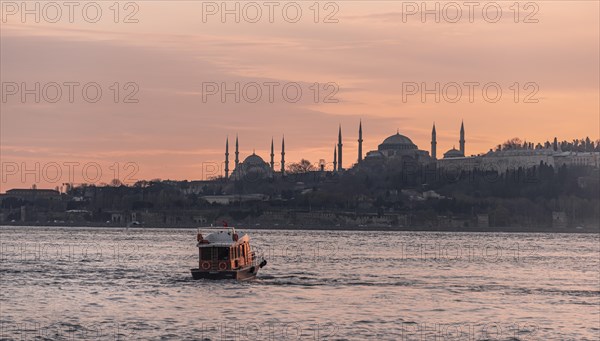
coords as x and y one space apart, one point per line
272 156
433 143
340 167
237 152
462 138
283 155
334 159
360 141
227 158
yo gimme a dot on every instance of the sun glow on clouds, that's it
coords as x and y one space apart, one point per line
368 55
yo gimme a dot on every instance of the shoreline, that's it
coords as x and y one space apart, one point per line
506 229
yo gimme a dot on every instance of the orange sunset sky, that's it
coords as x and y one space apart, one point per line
369 53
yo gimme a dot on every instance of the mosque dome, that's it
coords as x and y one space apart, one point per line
253 166
453 153
254 160
396 142
373 155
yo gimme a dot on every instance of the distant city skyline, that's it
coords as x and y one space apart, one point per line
369 62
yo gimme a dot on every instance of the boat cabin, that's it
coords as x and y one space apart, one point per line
224 250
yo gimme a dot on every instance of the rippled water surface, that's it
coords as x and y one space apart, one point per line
107 284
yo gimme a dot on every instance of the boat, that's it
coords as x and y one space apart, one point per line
226 254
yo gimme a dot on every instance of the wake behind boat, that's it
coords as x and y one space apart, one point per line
226 254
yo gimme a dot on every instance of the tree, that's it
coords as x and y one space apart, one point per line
303 166
514 143
141 184
115 183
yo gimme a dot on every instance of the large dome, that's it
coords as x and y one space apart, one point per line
253 166
254 160
453 153
397 141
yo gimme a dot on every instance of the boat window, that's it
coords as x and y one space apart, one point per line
223 253
205 253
